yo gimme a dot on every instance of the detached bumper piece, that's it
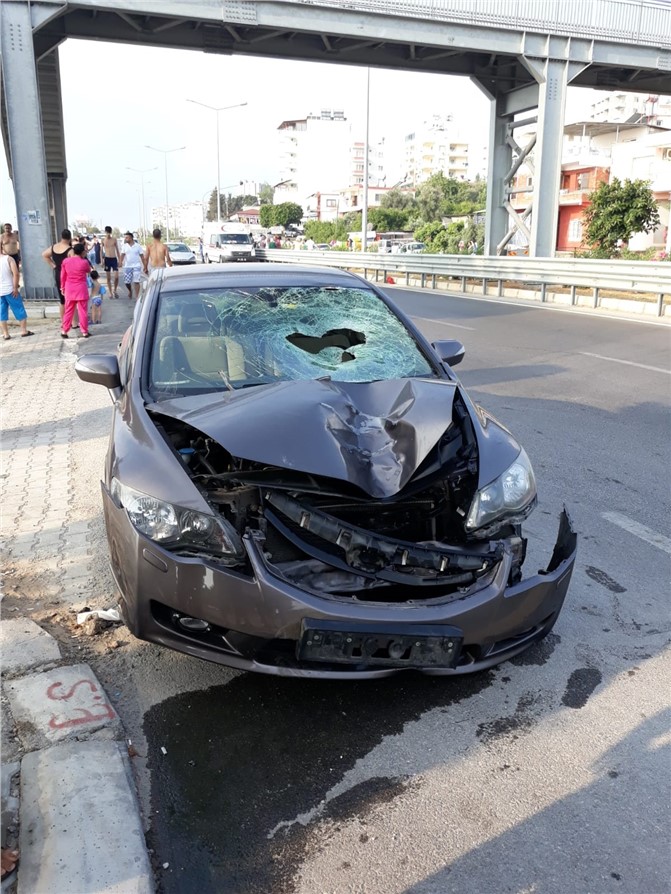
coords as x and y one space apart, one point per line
372 645
347 546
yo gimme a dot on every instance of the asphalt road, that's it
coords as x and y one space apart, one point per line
548 774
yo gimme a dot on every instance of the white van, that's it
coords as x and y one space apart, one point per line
224 242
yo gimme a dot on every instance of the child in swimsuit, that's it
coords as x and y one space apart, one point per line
97 292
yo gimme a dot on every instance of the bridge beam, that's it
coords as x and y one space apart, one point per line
26 145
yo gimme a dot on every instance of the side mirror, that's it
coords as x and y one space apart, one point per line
100 369
450 351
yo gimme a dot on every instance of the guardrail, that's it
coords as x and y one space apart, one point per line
650 277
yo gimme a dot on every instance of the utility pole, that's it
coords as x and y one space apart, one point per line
364 215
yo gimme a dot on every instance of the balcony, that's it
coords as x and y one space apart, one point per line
574 196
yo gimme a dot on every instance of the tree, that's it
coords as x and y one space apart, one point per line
237 203
266 193
280 215
396 198
442 196
351 221
325 230
431 198
386 220
266 215
618 210
287 213
212 206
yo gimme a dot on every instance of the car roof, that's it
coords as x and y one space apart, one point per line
176 279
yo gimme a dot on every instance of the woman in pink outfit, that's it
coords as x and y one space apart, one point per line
74 286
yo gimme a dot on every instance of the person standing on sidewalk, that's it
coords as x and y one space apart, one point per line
94 251
74 273
157 254
132 260
54 256
111 259
10 244
10 295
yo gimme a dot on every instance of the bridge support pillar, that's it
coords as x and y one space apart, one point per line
26 145
499 163
553 82
51 104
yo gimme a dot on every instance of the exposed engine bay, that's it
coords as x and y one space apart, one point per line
329 537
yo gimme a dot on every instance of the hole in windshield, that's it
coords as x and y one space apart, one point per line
237 338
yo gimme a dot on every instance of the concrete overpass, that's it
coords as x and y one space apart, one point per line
523 54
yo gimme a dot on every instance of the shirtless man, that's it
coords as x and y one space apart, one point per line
157 254
10 243
133 262
111 259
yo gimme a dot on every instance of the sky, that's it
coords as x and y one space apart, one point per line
118 99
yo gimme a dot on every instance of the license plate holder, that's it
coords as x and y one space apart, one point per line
379 645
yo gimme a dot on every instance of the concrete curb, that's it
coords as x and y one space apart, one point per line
79 818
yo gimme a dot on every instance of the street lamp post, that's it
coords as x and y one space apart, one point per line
217 110
364 215
142 172
165 161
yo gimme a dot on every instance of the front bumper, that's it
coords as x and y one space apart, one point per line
255 622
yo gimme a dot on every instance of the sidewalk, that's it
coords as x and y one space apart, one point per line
68 794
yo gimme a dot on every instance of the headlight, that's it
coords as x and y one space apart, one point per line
510 497
177 528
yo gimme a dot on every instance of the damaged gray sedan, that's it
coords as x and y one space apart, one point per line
298 484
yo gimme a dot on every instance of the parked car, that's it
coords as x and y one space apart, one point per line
297 483
323 246
180 253
412 248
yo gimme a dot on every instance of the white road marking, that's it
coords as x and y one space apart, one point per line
639 530
657 369
446 323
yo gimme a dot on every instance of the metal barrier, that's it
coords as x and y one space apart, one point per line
652 277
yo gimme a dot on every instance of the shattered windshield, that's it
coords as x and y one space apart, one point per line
237 337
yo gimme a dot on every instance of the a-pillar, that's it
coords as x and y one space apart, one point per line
26 146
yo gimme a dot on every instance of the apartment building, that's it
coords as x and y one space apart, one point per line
314 154
433 148
645 108
186 219
377 175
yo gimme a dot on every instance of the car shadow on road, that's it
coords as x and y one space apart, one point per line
241 758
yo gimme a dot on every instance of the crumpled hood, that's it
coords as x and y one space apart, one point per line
372 434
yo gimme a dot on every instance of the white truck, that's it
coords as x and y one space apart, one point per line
225 242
